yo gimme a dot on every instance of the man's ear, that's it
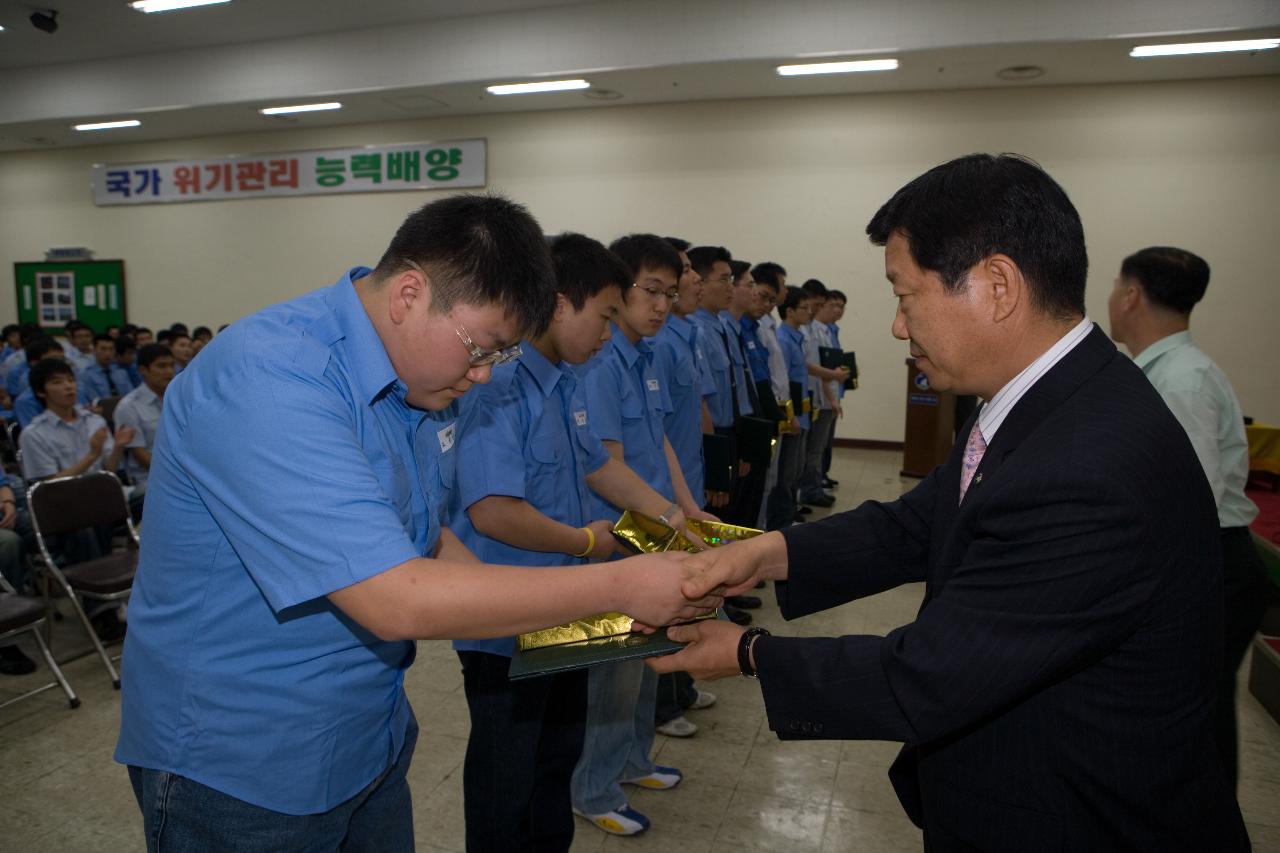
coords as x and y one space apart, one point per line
1006 286
563 308
406 291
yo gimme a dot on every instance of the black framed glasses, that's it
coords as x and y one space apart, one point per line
656 293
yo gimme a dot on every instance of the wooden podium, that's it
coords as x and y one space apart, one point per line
931 424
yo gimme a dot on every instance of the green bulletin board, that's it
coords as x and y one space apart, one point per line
54 293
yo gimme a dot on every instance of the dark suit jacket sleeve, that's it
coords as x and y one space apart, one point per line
1053 578
853 554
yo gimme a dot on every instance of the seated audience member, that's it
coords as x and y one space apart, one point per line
15 366
626 403
127 359
1150 310
143 336
27 405
14 568
526 440
200 339
103 378
180 344
180 329
140 410
11 336
79 344
112 331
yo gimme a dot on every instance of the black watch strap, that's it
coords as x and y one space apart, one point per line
744 650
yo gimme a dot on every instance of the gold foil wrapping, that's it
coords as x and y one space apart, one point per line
644 535
789 409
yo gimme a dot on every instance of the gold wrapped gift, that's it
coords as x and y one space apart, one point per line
644 535
789 409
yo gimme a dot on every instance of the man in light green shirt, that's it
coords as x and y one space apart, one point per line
1150 310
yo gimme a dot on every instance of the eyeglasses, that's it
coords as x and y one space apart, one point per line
727 278
481 357
655 294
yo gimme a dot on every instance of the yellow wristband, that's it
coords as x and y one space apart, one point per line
591 541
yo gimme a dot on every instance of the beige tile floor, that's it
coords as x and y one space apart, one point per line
744 790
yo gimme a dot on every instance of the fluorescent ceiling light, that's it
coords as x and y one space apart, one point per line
544 86
300 108
838 67
108 125
1148 50
150 6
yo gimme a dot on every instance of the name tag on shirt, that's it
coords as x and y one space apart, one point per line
751 344
580 417
652 384
446 437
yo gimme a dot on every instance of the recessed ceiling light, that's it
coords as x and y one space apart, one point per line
1020 72
300 108
1148 50
543 86
150 6
838 67
108 125
1 29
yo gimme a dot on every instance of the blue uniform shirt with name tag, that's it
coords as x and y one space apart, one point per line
680 363
626 403
792 343
524 435
287 465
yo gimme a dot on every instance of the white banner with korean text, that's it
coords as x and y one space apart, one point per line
372 168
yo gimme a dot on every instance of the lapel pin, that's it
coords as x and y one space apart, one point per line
977 479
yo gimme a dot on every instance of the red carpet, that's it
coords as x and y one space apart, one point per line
1267 524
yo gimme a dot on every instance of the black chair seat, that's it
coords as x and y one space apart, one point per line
105 575
18 611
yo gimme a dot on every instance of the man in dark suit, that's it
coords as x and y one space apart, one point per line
1055 689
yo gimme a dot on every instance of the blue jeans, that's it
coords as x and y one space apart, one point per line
619 737
525 740
182 816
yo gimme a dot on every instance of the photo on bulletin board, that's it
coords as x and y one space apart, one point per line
53 293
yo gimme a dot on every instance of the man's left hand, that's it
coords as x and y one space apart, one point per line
8 515
711 653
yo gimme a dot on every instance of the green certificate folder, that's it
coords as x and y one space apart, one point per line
832 358
565 657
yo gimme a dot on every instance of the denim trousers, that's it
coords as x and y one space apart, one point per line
816 444
782 499
183 816
619 735
675 694
525 740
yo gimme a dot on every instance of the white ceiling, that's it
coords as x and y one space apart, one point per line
207 71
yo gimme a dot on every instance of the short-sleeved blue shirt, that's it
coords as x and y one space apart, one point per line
733 339
712 333
287 465
792 343
680 364
92 384
757 355
626 403
524 435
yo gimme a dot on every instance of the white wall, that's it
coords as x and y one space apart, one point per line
1194 164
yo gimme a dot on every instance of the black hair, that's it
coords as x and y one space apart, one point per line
584 267
680 245
642 252
180 328
478 250
38 346
43 371
151 352
128 329
1173 278
10 329
813 287
703 258
175 335
792 299
74 326
164 336
837 294
738 268
769 273
202 330
124 343
103 336
139 329
955 215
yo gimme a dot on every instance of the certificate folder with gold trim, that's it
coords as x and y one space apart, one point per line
608 637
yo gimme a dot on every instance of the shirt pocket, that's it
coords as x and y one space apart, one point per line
548 464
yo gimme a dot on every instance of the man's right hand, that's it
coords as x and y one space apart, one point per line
605 545
98 440
654 585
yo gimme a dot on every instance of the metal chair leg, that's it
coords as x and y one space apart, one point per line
72 698
97 644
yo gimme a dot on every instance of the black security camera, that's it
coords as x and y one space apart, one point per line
47 21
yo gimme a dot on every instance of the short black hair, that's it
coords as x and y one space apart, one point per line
202 330
179 328
478 250
29 331
103 336
124 343
1173 278
792 299
813 287
647 252
703 258
164 335
38 346
10 329
738 268
584 267
128 329
140 329
769 273
837 294
151 352
175 335
955 215
74 326
680 245
43 371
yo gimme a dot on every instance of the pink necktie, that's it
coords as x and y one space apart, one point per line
973 450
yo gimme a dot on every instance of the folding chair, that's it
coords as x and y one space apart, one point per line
67 504
24 614
11 429
107 405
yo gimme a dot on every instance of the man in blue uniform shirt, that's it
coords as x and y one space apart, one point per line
294 545
103 378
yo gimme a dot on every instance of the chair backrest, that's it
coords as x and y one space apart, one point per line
64 504
107 407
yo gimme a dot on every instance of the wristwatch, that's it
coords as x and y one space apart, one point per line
669 513
744 650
